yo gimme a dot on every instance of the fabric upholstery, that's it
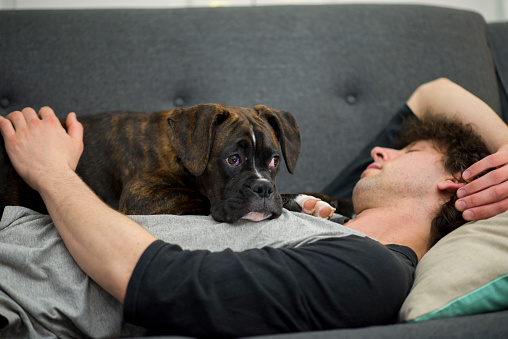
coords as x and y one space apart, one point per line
498 34
342 70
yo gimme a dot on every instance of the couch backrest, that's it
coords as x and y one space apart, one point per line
342 70
498 34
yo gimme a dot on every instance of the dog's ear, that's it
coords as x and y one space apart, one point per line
193 133
287 131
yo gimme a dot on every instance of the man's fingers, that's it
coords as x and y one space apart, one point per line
486 211
74 127
6 128
29 114
484 204
490 195
17 119
487 195
492 178
21 119
46 112
487 163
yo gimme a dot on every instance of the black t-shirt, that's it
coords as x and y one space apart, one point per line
334 283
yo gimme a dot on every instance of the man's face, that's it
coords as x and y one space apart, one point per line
412 172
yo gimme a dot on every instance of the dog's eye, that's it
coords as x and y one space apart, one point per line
233 160
275 161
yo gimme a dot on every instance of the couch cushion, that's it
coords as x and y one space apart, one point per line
465 273
498 34
491 325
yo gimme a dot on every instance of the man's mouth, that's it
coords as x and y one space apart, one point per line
370 167
374 166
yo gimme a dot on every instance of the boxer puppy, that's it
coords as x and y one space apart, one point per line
198 160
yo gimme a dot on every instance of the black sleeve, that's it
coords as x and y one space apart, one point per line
334 283
342 186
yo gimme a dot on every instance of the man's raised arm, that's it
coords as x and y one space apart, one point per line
488 195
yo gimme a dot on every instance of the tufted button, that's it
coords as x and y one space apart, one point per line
351 99
179 102
5 102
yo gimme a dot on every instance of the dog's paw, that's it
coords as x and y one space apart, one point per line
313 206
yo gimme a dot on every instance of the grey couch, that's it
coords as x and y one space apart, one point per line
342 70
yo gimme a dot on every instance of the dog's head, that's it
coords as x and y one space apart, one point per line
234 154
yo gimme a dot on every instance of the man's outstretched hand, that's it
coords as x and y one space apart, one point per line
38 145
486 196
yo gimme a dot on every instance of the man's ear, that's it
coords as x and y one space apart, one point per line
450 185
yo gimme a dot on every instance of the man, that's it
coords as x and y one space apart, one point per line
343 281
478 200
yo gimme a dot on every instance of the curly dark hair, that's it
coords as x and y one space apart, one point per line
461 147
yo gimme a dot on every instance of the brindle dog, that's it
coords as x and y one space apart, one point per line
198 160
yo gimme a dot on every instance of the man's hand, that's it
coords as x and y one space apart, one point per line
486 196
106 244
39 146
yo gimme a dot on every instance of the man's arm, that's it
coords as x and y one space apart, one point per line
488 195
105 244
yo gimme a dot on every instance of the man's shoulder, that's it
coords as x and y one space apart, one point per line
364 248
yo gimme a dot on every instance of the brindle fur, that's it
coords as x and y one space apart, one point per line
167 162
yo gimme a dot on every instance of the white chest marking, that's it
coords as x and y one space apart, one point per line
253 157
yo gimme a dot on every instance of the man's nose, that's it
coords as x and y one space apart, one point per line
383 154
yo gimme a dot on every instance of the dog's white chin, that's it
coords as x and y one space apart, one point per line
256 216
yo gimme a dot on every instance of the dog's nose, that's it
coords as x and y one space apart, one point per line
262 188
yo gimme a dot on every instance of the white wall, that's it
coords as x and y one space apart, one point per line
492 10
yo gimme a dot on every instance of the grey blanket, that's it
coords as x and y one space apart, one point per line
44 294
